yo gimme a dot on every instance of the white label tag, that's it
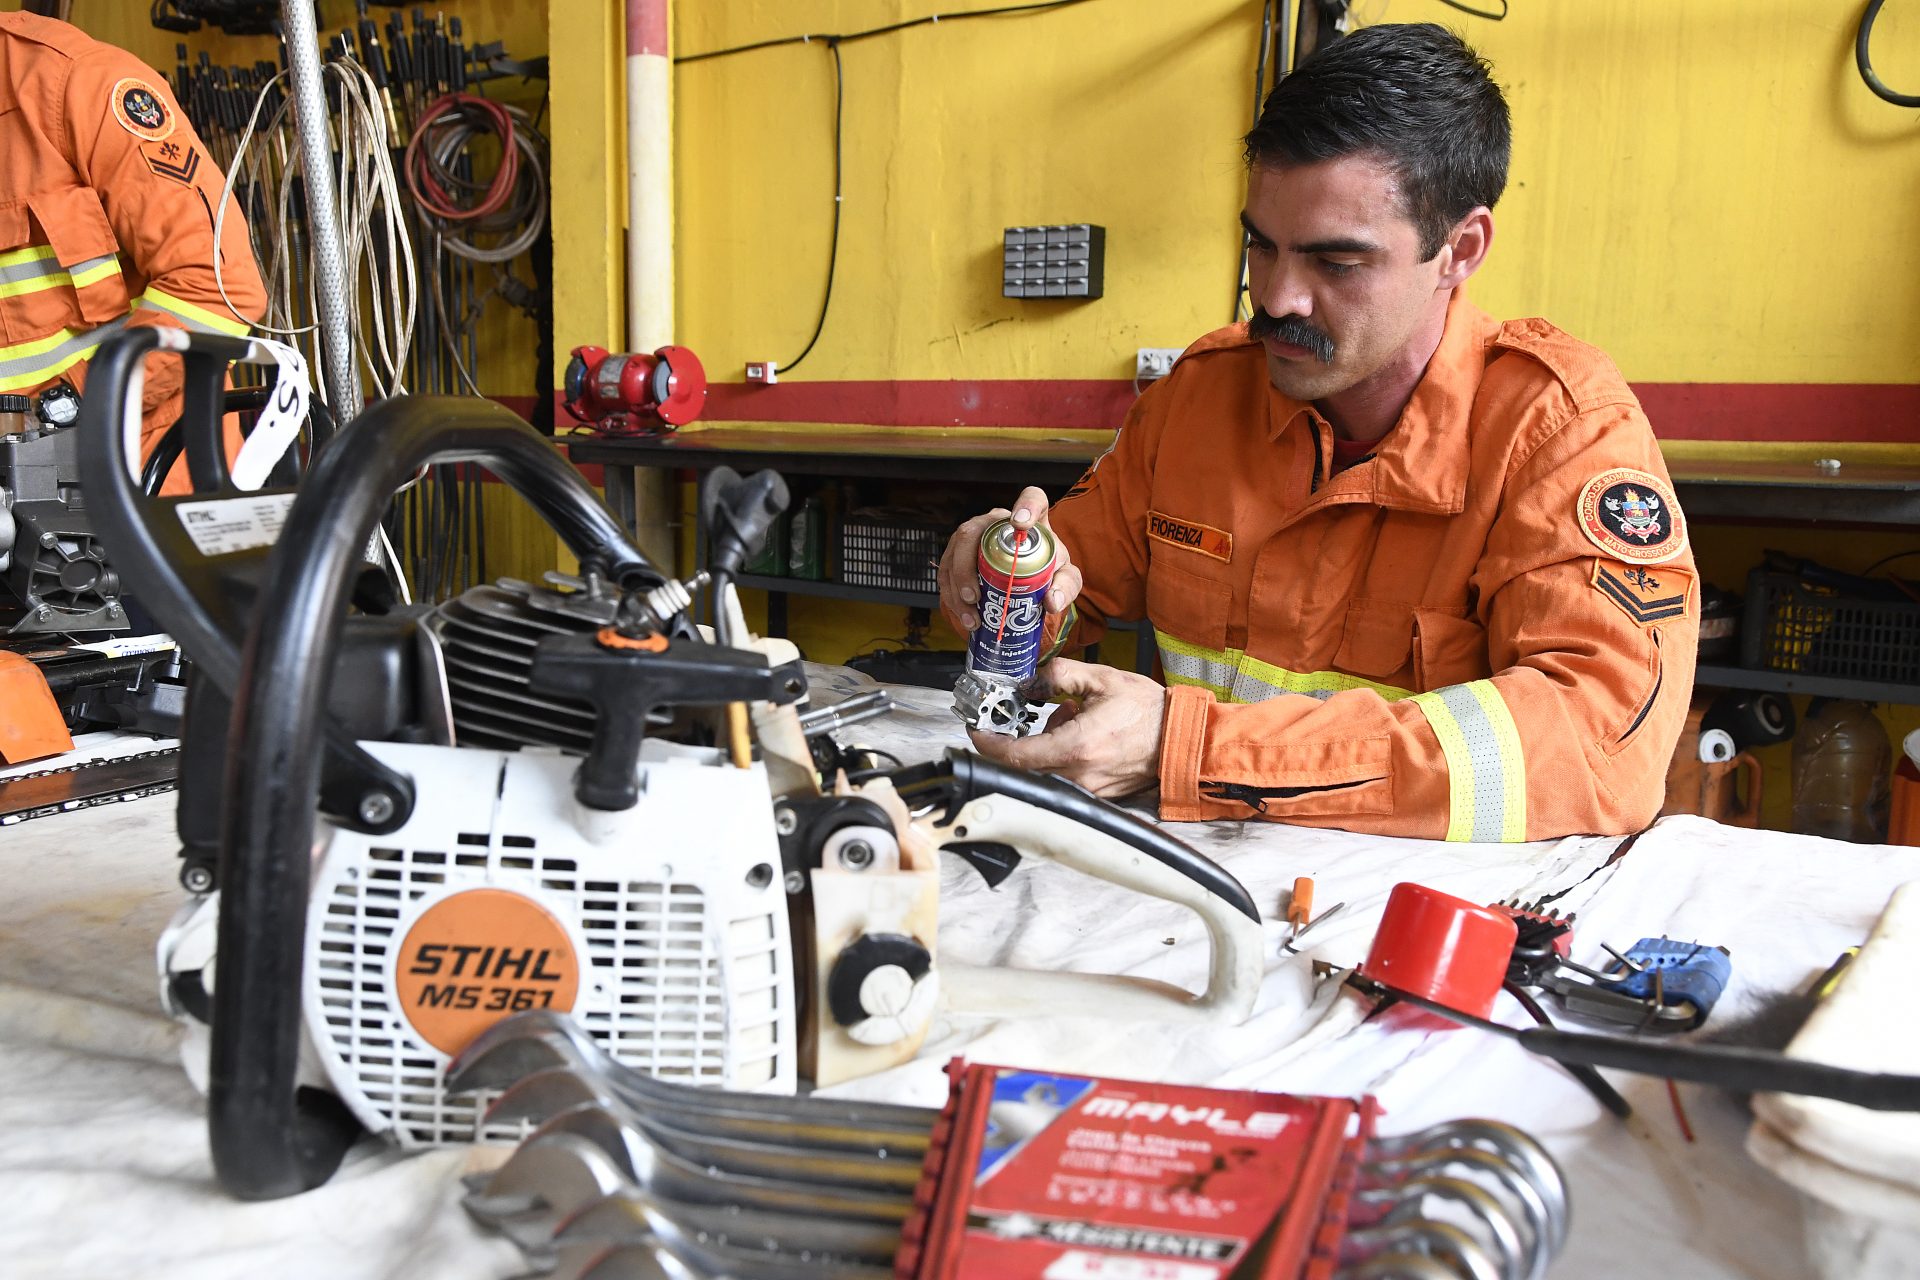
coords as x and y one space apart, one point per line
1079 1265
128 646
278 426
223 526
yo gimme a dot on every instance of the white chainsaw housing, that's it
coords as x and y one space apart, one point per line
674 910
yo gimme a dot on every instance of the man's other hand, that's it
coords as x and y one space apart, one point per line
960 563
1104 736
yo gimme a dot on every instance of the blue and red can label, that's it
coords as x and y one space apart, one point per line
1016 568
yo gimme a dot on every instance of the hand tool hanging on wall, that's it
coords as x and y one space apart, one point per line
406 116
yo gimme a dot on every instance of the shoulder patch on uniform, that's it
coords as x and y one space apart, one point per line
140 110
1192 535
1632 516
1646 597
172 160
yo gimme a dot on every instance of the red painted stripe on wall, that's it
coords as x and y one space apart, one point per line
1091 403
646 27
1867 413
1847 412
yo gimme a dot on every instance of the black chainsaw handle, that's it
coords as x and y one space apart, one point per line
144 544
964 776
266 1143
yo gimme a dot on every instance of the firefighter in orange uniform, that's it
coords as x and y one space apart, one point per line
1411 570
107 203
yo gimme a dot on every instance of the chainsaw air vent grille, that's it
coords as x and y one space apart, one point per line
682 972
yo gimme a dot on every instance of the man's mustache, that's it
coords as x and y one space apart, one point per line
1292 329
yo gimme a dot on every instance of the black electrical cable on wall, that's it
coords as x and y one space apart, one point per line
833 245
833 43
1478 13
1862 42
851 36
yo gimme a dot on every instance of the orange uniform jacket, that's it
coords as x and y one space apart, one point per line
107 200
1484 631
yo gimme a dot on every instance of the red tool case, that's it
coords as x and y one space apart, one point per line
1033 1174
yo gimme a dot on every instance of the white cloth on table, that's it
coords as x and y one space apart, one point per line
103 1161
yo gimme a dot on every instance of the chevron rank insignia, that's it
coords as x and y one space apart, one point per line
174 161
1649 596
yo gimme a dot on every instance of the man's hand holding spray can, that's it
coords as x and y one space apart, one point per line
998 693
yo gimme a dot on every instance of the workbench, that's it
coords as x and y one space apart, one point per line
1869 493
104 1168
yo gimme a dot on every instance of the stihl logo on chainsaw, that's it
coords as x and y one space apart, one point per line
474 957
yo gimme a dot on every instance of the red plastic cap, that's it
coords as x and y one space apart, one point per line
1445 949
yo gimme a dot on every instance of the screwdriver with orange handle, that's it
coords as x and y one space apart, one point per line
1300 917
1300 906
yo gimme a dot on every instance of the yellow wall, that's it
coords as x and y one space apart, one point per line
1706 189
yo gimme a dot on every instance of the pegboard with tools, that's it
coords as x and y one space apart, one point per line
441 184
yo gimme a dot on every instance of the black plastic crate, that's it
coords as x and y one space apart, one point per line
1793 625
895 550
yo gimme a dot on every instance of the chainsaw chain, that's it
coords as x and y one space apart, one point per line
90 802
91 764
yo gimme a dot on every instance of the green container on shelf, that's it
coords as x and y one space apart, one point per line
770 560
806 542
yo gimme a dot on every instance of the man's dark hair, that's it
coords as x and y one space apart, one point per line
1414 95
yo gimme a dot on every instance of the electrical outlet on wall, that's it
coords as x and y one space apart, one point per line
1154 362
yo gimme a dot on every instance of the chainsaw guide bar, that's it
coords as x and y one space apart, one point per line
84 786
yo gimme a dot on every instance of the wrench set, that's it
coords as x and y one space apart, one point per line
625 1175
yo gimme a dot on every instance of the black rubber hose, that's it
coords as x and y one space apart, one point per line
265 1145
1862 42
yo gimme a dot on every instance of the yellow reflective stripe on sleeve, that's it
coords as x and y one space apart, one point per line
41 272
94 270
1486 767
1232 676
191 314
27 364
22 257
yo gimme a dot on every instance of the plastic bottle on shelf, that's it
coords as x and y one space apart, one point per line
1841 768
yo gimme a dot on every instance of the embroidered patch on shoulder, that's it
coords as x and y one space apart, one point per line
1648 597
138 107
1204 538
172 161
1632 516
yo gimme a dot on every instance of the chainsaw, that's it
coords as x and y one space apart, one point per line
402 823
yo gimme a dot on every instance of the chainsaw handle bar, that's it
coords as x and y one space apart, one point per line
155 549
964 777
1045 816
200 604
266 1143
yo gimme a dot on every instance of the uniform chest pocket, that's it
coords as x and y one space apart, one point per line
1448 650
74 279
1187 607
1376 640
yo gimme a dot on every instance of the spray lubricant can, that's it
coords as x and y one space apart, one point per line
1015 569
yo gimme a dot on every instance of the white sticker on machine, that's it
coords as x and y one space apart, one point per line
222 526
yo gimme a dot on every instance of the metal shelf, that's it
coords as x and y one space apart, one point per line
840 591
1794 682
